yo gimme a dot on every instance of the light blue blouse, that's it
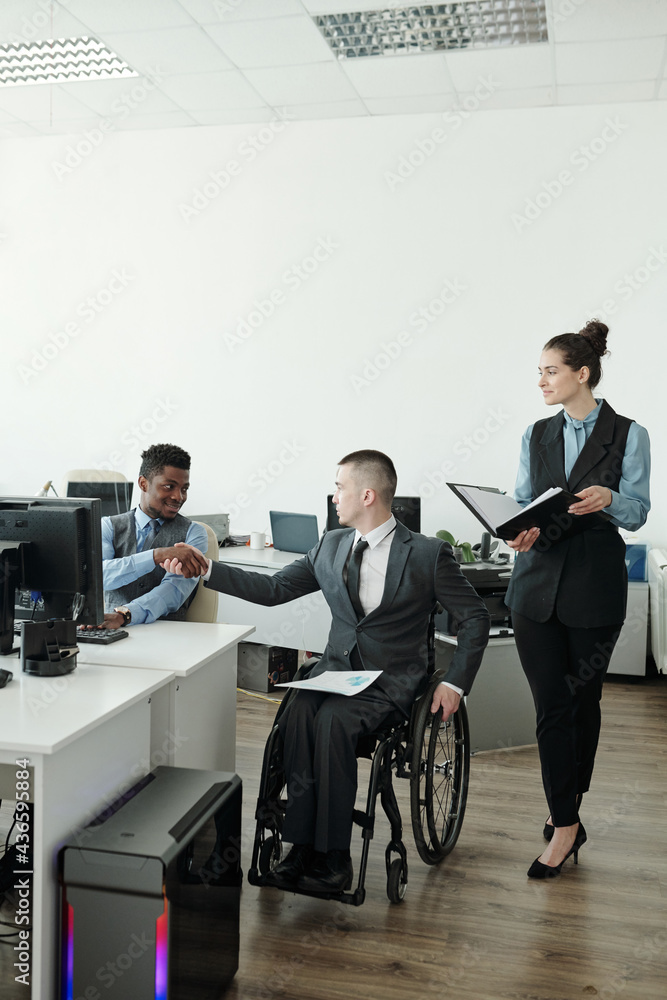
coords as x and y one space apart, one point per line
630 505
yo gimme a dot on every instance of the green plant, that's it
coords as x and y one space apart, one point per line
467 554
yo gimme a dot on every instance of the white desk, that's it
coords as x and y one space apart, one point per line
193 718
300 624
86 736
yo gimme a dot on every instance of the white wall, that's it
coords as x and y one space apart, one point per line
160 356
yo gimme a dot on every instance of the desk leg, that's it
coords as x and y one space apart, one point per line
71 787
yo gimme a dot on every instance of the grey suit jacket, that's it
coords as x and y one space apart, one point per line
393 637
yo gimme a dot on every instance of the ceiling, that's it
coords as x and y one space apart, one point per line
214 62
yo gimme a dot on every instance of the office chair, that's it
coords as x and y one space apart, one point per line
204 605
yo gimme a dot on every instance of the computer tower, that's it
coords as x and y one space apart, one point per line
150 892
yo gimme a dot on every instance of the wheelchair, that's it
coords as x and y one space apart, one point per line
433 755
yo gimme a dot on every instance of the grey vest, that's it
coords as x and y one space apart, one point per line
125 544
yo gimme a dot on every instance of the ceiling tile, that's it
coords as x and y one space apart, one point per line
606 93
231 116
335 109
398 105
34 22
41 102
17 130
601 62
510 68
211 90
276 41
605 20
128 15
173 50
224 11
168 119
398 76
319 83
117 99
521 97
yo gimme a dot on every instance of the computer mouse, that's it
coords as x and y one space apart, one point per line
5 677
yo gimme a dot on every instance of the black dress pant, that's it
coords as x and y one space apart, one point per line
565 668
320 734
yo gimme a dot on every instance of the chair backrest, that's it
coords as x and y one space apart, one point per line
204 605
91 476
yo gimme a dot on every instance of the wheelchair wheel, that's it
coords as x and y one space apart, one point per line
396 881
270 854
439 775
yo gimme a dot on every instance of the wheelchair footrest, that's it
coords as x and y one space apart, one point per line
363 820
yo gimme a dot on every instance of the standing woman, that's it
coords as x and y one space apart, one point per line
568 595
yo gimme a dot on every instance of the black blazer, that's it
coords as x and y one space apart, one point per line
582 578
392 638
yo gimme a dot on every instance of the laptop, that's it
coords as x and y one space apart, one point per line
293 532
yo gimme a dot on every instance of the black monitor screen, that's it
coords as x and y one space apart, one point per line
61 554
407 510
115 496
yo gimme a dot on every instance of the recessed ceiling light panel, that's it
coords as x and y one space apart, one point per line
434 27
59 60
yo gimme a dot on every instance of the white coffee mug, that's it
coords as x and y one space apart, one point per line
257 539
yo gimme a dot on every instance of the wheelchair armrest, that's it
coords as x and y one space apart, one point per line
305 668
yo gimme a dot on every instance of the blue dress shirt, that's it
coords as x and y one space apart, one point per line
629 505
172 590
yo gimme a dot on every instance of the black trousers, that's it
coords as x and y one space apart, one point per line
565 668
320 734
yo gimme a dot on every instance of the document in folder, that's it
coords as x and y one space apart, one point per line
505 518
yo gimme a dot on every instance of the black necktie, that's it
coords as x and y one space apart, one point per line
353 570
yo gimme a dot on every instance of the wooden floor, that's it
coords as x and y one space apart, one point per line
475 928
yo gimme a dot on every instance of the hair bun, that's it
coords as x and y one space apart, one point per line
595 332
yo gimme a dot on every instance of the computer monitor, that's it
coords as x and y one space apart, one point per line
115 495
407 510
53 546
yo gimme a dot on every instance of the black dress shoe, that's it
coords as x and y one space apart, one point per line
330 872
286 874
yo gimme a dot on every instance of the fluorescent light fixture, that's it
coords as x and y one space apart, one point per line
59 60
434 27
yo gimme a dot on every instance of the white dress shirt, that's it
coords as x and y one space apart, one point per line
373 570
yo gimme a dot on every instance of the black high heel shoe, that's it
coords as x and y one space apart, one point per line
548 830
539 870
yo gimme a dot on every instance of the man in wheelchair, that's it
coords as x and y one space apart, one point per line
381 582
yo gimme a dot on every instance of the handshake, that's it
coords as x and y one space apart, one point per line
185 560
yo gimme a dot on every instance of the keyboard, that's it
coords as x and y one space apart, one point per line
101 636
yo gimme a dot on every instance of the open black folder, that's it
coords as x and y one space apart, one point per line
505 518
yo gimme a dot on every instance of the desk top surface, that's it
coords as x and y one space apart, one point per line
180 647
267 558
43 714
